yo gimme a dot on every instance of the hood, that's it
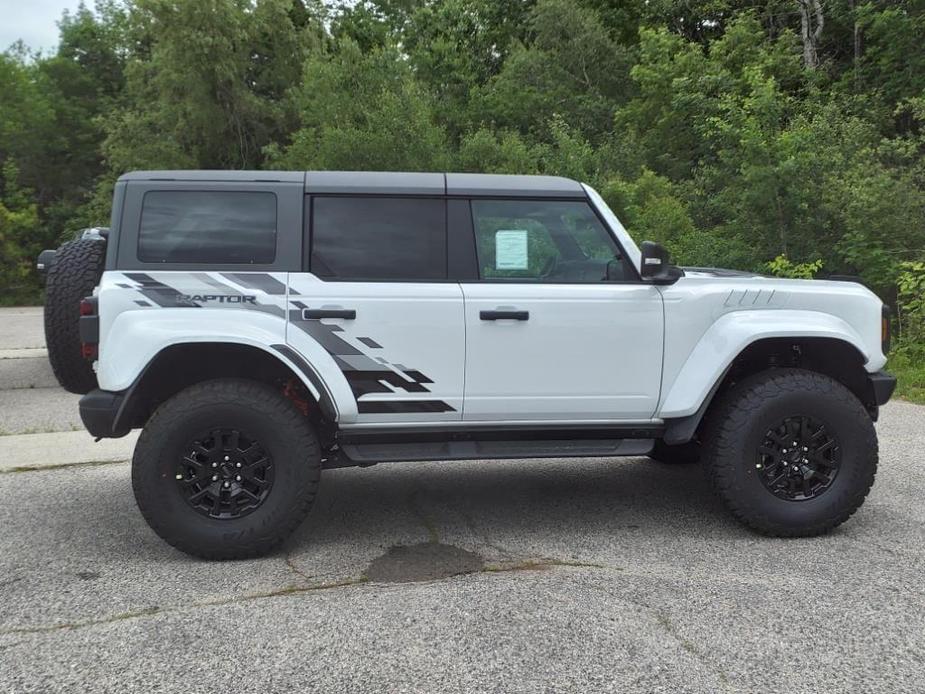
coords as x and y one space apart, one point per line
718 272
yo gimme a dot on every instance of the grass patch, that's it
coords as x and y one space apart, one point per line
910 375
16 297
60 466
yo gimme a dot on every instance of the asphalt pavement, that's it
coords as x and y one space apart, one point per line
504 576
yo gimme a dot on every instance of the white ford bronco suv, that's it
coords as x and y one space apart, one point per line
262 326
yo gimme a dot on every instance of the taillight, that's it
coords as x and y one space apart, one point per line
89 328
885 330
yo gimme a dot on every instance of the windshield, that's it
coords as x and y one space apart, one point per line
632 250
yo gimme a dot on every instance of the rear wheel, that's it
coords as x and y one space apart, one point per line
791 452
226 469
73 274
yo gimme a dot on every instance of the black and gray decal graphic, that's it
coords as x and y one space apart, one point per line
367 375
257 280
158 292
210 292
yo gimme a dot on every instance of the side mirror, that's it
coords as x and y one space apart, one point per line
44 261
656 266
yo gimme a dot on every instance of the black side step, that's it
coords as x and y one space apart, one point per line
350 454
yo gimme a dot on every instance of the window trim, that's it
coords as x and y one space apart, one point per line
309 237
158 263
634 279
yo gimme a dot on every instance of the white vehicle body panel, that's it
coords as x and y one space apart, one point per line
587 351
144 313
403 355
710 320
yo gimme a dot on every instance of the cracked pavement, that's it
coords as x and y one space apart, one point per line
574 575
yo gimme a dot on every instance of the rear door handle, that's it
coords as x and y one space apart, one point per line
316 313
504 315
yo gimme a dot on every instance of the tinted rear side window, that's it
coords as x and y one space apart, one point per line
208 227
370 238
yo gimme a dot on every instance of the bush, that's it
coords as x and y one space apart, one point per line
910 308
20 241
782 266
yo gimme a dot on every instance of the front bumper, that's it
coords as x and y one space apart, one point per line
100 412
881 386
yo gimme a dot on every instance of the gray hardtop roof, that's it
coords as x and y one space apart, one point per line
215 175
386 182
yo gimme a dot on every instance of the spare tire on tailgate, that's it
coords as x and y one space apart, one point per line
73 273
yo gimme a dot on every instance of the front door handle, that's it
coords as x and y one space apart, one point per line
504 315
316 313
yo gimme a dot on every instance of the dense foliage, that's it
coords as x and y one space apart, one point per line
782 135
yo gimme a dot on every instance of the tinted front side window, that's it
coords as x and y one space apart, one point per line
369 238
207 227
544 241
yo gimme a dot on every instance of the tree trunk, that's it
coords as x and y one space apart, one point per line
811 23
857 48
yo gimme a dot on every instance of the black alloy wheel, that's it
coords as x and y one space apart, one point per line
225 474
798 459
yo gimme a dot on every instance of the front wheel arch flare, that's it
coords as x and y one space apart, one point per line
838 359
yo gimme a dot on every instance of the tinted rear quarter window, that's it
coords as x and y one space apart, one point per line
378 238
208 227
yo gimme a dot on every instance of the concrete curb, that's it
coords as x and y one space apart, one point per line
57 449
28 372
26 353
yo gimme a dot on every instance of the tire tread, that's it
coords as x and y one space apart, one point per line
75 271
734 412
177 410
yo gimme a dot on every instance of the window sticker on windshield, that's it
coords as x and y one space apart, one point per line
511 249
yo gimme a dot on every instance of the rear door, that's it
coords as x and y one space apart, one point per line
375 296
558 325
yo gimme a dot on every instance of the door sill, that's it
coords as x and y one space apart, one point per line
365 454
499 431
367 446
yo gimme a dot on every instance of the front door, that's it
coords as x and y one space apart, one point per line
377 301
558 326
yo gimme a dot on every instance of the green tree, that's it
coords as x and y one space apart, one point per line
569 67
363 111
20 240
209 91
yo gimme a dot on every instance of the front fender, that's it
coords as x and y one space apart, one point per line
731 334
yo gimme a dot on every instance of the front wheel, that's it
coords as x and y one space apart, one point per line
792 453
226 469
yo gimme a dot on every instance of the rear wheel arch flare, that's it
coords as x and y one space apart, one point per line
184 364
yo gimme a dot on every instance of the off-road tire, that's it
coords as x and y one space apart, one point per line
683 454
268 417
738 424
75 271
